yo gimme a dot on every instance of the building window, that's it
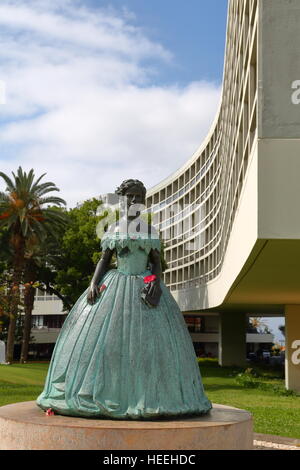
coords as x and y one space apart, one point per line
53 321
194 324
48 321
37 321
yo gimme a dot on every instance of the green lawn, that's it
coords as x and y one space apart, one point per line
21 382
273 412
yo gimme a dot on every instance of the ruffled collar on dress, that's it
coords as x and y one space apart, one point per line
133 241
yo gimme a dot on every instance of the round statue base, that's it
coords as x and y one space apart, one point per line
24 426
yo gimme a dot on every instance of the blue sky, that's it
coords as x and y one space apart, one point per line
193 30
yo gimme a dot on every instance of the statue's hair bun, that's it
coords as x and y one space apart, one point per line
127 184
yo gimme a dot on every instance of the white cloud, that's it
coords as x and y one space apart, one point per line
81 103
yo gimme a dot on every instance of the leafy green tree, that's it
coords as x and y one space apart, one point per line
24 215
4 308
5 279
39 272
80 250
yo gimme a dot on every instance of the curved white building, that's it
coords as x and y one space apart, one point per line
230 217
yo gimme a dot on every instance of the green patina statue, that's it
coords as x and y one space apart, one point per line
124 351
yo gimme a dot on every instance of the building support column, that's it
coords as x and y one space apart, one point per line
292 347
232 339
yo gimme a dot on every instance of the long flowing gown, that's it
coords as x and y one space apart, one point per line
119 358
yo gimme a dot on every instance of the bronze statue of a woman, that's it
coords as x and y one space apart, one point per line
124 351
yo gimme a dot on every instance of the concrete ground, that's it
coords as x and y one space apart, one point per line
269 442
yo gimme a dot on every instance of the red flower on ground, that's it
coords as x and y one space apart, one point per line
148 279
49 412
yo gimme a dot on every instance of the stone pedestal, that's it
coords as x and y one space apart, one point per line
24 426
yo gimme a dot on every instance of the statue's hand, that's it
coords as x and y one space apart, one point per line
154 288
93 293
151 293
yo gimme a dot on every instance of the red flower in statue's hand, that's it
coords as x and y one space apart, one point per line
49 412
148 279
101 288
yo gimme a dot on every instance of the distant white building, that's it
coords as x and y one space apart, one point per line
47 320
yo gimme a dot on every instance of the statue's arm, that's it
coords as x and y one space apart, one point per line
154 258
100 270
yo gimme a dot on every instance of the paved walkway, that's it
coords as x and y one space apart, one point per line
269 442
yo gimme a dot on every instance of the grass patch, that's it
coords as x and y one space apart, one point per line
21 382
29 374
274 410
260 392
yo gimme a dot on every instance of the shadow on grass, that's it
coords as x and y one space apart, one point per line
219 387
7 388
211 368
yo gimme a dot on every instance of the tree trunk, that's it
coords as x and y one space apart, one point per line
18 264
28 307
11 339
15 302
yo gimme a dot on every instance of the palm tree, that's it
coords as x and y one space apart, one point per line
282 329
23 214
259 325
